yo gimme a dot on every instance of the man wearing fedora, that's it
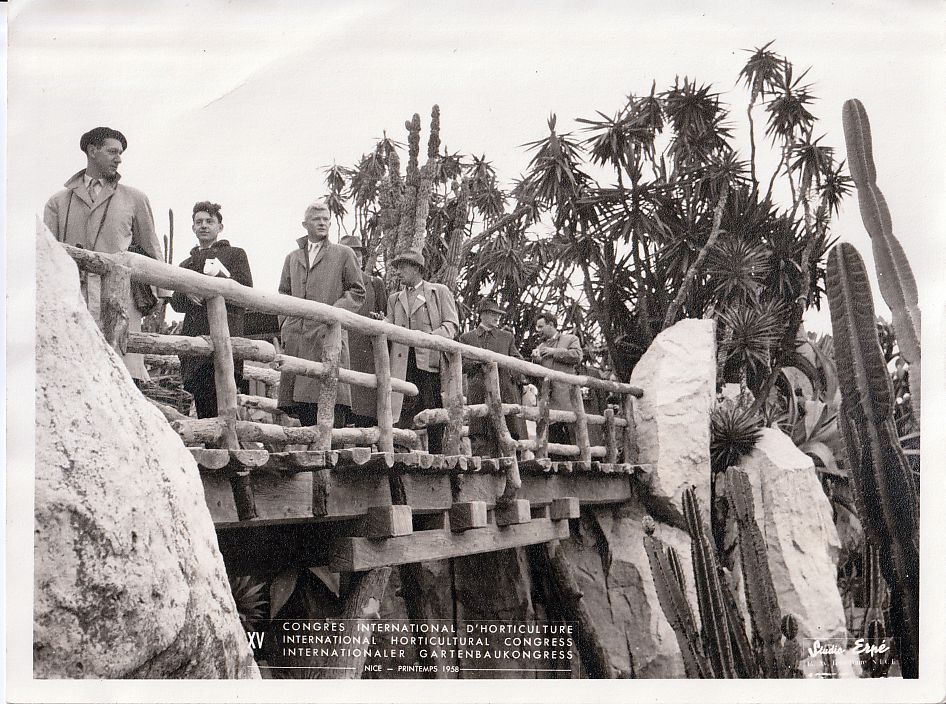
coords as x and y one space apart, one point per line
428 307
490 336
316 270
94 211
364 402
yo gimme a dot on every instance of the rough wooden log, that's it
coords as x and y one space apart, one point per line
225 386
581 424
209 430
365 596
452 375
610 436
116 291
170 414
541 443
328 388
467 515
561 449
295 365
265 375
243 348
630 432
260 403
382 366
388 521
507 445
165 276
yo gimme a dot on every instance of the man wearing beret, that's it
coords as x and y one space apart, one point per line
364 402
490 336
428 307
94 211
316 270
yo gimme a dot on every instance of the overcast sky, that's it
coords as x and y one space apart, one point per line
243 103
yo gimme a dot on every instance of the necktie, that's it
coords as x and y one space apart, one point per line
313 252
94 186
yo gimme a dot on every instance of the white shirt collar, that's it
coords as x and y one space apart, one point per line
87 180
415 287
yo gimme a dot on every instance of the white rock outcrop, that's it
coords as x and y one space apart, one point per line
612 570
678 376
794 515
128 578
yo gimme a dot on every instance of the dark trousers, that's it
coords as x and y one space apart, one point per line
428 396
308 414
359 421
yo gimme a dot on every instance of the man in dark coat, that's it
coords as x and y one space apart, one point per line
317 270
213 257
490 336
364 402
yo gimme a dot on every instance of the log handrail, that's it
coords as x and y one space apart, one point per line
166 276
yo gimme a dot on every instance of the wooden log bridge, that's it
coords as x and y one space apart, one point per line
357 499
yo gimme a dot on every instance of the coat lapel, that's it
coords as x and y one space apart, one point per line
402 299
318 257
107 192
422 297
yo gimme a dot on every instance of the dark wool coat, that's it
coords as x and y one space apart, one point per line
333 279
198 372
503 342
361 350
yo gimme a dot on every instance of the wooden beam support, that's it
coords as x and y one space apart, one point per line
209 430
512 512
540 446
388 522
506 443
382 366
468 515
116 292
564 507
610 436
187 346
452 382
630 432
360 554
581 424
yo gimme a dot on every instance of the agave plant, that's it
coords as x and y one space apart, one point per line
249 594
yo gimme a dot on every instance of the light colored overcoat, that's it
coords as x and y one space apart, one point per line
433 311
565 356
334 279
119 218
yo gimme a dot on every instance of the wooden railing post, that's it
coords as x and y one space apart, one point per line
452 382
225 385
115 295
581 424
328 385
542 424
382 370
506 444
630 434
610 436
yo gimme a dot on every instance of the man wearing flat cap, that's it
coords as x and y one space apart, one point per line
94 211
490 336
364 402
428 307
316 270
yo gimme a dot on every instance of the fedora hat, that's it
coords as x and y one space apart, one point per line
488 304
409 256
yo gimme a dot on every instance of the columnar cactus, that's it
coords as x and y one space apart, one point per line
894 275
885 489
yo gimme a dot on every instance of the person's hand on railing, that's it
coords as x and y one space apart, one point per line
196 300
375 315
214 267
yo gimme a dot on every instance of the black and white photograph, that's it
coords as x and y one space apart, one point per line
474 351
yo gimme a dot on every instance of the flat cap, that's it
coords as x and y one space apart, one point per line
98 135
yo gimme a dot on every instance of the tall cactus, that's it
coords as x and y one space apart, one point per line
760 590
894 275
884 487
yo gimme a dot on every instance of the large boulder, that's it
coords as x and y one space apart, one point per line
794 515
128 578
612 570
678 376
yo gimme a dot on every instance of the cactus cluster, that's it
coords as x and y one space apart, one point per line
721 648
894 276
883 483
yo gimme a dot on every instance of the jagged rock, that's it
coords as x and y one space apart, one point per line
678 376
803 546
612 570
128 578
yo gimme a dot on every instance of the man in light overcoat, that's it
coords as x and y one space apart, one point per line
428 307
317 270
560 351
94 211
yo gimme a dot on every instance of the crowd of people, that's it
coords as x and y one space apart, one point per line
96 212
